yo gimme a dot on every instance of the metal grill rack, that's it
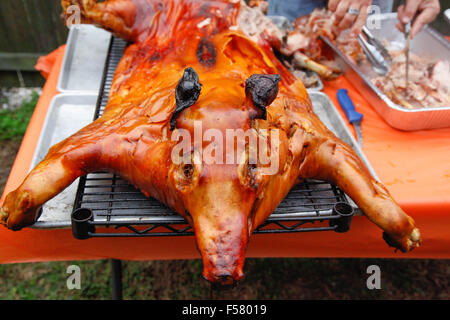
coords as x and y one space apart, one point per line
106 200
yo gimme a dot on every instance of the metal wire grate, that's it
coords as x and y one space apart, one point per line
115 53
113 202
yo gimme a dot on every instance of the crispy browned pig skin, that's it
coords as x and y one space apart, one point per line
226 81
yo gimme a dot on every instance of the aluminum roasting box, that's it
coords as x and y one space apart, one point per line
429 45
67 114
84 60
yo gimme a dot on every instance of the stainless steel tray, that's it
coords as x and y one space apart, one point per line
70 112
67 114
84 60
318 87
428 44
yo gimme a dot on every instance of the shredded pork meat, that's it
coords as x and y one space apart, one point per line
428 85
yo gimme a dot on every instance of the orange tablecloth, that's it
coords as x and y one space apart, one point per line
415 166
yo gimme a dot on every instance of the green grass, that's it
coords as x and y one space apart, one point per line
265 279
47 281
13 124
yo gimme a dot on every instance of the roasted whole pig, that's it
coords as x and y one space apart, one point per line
188 65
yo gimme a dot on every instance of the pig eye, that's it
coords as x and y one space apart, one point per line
187 173
188 170
248 172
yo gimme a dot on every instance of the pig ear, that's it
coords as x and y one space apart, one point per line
262 89
186 93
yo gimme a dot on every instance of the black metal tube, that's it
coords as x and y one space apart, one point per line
345 213
116 275
80 223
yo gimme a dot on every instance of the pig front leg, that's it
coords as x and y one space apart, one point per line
64 163
336 161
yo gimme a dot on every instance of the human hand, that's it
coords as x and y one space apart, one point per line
344 18
426 11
